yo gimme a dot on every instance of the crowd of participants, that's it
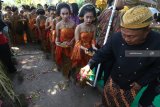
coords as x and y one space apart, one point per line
71 34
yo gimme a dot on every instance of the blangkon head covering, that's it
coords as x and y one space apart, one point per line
136 17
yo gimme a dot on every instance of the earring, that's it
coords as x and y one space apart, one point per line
81 18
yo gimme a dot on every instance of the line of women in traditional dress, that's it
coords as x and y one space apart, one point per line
59 29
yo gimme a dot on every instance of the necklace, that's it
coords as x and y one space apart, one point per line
88 28
65 24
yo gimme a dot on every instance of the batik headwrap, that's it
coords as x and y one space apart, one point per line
136 17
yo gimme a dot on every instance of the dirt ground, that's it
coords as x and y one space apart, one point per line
44 86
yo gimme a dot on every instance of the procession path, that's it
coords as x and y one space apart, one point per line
44 86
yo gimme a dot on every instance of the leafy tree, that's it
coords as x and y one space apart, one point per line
18 1
24 2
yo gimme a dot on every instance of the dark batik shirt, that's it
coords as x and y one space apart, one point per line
126 70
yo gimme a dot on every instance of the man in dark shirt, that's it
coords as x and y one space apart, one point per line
115 27
134 56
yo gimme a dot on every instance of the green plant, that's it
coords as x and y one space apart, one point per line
6 87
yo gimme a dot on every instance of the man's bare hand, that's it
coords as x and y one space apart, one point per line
84 71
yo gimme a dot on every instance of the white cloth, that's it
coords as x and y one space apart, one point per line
153 10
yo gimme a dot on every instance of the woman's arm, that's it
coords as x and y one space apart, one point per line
57 33
38 23
53 25
77 33
47 26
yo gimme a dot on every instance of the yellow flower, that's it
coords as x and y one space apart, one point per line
101 4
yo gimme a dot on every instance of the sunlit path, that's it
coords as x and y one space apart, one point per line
44 86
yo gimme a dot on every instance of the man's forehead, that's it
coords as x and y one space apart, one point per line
134 29
130 31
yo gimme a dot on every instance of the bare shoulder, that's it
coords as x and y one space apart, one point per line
78 30
58 24
79 26
38 17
